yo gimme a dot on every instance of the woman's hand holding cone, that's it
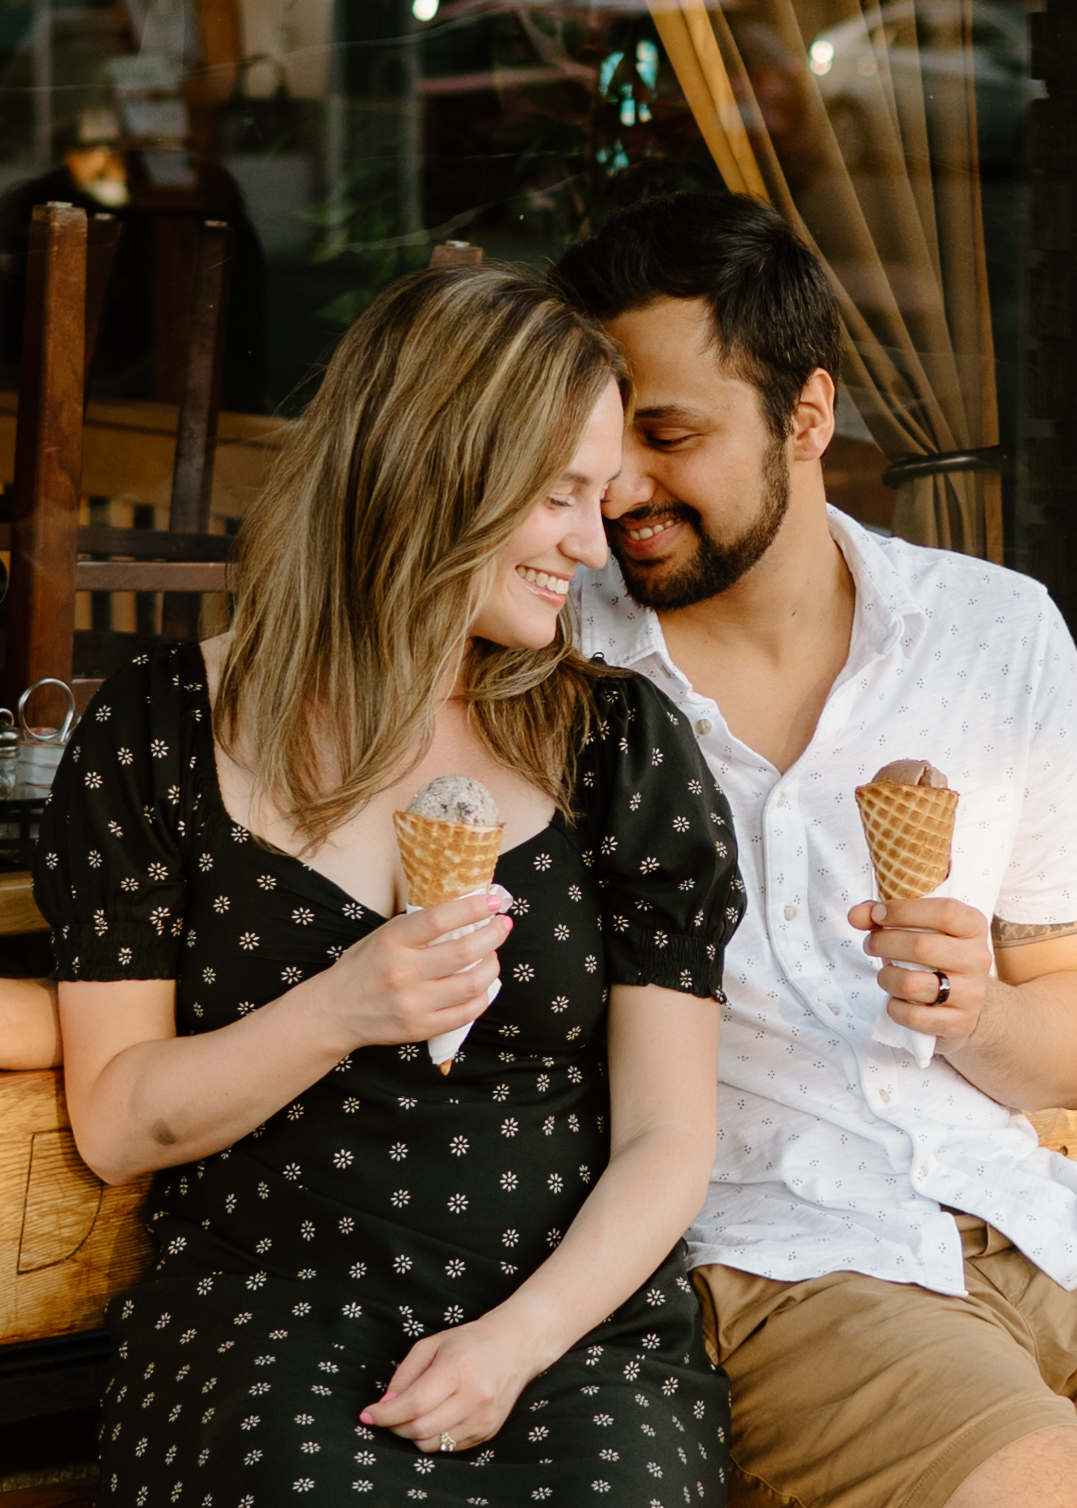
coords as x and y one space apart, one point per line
400 984
943 935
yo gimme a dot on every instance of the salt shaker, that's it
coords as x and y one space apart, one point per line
9 752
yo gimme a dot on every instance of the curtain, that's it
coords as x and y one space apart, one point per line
885 187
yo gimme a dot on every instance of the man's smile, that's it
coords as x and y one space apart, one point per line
647 539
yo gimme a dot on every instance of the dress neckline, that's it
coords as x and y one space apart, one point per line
212 784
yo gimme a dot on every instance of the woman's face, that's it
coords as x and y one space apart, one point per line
563 531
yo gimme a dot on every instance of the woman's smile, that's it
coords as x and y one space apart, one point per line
545 584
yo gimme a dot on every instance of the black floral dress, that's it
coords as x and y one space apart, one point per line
298 1266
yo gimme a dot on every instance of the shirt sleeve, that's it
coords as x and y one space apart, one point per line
661 839
108 867
1039 886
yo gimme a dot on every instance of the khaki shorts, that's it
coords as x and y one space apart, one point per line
850 1392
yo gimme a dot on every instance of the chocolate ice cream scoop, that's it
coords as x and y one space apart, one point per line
912 772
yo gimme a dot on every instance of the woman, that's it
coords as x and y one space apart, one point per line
374 1278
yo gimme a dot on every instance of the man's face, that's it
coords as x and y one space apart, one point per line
705 485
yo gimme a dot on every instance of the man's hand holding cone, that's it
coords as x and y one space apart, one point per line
935 952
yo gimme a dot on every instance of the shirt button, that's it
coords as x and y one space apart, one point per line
703 727
836 1009
789 913
884 1095
925 1169
781 799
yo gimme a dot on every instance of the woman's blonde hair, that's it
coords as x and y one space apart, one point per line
448 410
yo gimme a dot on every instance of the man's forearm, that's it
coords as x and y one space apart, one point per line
1023 1051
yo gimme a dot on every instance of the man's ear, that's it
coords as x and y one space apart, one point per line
813 417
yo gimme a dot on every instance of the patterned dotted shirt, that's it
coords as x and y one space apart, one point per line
836 1150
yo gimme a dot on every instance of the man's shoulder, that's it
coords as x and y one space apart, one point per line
951 589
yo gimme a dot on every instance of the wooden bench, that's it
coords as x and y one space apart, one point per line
67 1243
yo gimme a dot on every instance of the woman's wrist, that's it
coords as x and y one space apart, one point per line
328 1026
536 1324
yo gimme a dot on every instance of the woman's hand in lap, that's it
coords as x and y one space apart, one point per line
462 1383
400 984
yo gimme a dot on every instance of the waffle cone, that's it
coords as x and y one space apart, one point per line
910 829
443 860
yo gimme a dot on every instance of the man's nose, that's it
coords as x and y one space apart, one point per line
632 487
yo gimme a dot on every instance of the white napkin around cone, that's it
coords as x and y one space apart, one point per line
444 1047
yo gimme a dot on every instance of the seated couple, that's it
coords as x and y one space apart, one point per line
377 1280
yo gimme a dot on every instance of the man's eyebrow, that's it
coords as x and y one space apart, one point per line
671 413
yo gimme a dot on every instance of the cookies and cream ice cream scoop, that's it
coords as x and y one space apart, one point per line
449 839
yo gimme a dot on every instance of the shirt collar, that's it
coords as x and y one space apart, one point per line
619 629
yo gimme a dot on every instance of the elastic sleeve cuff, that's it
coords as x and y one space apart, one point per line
672 960
104 951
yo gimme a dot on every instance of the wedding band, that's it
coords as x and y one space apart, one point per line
944 988
447 1441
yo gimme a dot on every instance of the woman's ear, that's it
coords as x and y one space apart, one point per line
813 417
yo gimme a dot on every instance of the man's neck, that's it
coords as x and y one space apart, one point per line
769 649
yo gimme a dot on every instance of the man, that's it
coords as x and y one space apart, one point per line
886 1260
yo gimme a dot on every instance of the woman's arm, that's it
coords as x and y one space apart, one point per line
29 1024
663 1055
141 1098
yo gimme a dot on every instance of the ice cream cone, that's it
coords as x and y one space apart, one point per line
910 831
443 860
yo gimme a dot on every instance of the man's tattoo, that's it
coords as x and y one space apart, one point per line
1015 934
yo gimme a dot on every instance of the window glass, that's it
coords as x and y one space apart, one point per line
924 146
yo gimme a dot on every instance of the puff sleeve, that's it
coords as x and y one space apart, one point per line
109 863
659 832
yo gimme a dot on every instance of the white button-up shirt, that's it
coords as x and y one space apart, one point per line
836 1150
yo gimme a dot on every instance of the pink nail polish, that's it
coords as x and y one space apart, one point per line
494 902
508 924
387 1397
366 1417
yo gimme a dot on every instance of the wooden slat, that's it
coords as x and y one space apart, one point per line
200 407
150 576
142 544
67 1241
48 459
102 238
151 544
18 912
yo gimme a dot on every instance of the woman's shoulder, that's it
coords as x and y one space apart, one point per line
629 700
163 679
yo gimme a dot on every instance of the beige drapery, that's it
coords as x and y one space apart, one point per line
903 241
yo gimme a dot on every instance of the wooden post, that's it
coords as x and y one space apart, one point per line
48 452
200 406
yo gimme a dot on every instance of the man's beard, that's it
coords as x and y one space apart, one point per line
714 567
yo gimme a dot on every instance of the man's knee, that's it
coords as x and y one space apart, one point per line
1037 1471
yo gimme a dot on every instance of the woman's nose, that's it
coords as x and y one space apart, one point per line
587 543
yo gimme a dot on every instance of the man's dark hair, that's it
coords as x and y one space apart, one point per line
775 314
